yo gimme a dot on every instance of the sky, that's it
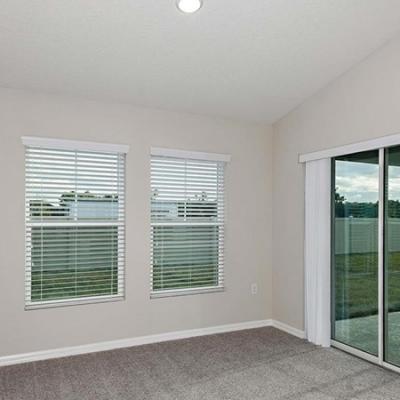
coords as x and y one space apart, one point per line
359 182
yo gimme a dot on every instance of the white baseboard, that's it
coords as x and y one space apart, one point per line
141 340
289 329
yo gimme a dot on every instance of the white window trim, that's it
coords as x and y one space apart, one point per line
192 155
63 144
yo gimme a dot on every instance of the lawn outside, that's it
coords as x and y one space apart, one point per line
356 305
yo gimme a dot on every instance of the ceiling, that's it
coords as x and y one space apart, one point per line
251 60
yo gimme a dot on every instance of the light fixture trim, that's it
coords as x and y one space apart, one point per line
189 6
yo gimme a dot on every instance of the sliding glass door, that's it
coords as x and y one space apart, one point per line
392 256
355 251
366 254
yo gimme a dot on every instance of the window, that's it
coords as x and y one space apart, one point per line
187 222
74 222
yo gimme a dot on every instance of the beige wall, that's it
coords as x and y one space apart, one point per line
248 234
362 104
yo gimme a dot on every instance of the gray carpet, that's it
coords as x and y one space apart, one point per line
254 364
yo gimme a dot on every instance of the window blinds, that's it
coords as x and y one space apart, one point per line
187 224
75 225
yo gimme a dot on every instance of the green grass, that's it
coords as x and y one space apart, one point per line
356 306
356 284
185 277
65 283
104 281
185 257
73 262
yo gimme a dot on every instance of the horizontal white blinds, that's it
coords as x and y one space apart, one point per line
187 224
75 225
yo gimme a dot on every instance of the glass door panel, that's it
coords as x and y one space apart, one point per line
392 256
355 251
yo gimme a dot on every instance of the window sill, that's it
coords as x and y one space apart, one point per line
72 302
185 292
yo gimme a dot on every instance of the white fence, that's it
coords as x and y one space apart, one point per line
360 235
95 209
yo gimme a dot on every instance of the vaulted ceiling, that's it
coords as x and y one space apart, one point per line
250 60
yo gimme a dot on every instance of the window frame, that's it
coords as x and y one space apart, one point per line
52 144
222 160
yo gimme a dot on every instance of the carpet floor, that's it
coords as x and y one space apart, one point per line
247 365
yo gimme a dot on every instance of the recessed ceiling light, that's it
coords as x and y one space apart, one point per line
189 6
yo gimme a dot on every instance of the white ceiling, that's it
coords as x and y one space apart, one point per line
251 60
